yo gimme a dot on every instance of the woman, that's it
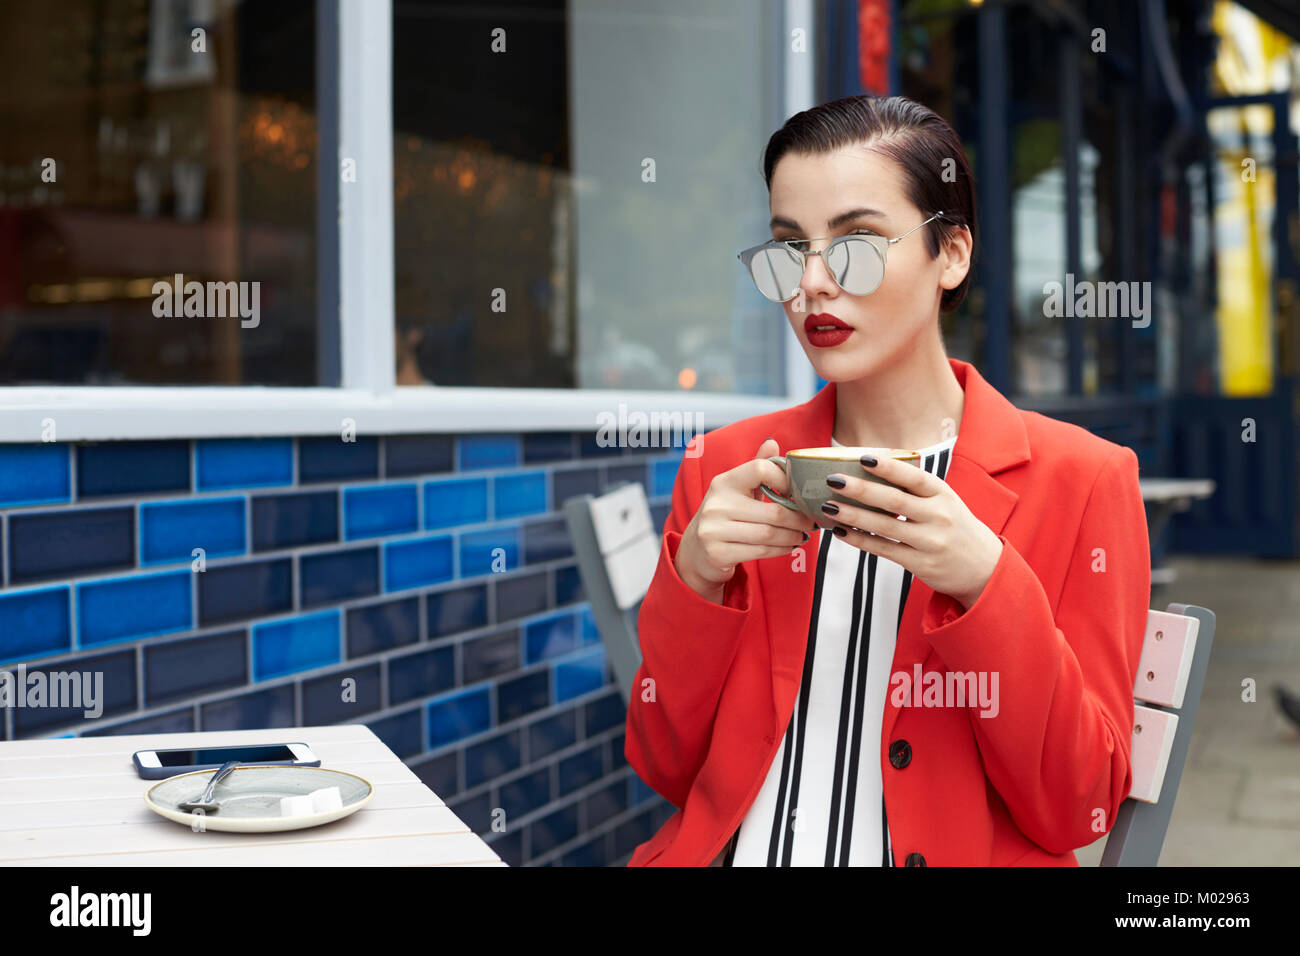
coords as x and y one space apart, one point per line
802 697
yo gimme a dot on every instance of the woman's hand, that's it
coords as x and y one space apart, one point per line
734 524
941 542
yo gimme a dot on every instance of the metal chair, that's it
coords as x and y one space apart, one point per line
617 548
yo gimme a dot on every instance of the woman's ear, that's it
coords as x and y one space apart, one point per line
956 255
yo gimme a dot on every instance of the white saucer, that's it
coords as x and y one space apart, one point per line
250 796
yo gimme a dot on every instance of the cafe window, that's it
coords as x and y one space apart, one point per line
158 143
572 183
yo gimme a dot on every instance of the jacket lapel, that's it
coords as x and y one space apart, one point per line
991 438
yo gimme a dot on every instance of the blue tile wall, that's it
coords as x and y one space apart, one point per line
34 474
242 462
431 576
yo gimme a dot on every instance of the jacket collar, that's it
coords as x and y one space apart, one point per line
991 438
991 434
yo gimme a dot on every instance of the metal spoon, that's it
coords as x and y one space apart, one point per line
204 802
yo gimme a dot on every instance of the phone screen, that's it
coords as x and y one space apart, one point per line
190 758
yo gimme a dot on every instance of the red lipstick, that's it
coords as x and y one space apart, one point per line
825 331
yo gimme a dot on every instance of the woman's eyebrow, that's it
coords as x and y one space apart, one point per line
835 223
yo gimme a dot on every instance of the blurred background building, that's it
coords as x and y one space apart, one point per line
477 227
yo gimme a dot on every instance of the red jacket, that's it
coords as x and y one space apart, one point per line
1061 621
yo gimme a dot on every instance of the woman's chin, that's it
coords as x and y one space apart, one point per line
844 367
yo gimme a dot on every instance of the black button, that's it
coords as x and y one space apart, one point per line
900 753
915 859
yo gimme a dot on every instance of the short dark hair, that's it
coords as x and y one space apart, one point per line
914 136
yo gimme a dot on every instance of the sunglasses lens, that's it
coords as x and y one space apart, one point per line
856 264
776 272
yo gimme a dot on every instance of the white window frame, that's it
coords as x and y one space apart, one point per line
368 395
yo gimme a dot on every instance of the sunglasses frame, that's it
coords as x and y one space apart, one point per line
879 243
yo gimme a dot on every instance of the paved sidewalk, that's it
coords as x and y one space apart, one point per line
1239 802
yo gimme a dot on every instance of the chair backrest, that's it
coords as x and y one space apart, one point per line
617 548
1167 691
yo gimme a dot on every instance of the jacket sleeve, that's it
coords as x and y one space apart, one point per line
1058 748
687 646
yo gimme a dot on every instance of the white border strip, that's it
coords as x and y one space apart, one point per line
366 280
800 80
93 414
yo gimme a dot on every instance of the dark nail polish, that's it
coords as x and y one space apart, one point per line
840 531
806 536
835 481
831 508
868 461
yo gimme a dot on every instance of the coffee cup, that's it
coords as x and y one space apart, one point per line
807 470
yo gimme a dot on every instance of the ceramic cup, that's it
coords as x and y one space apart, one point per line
807 470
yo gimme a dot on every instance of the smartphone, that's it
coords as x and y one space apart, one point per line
157 764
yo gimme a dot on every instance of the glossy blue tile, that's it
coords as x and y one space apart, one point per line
338 575
663 474
400 732
409 564
483 552
197 665
604 713
418 454
381 510
455 501
235 592
492 758
552 734
132 467
292 520
460 715
272 707
546 541
515 495
31 474
381 627
173 722
521 594
550 636
243 462
69 543
122 608
639 791
605 802
34 623
103 683
170 531
488 451
323 701
568 585
298 644
548 446
461 609
570 482
422 674
578 770
523 695
440 774
590 634
333 459
580 674
554 829
490 655
525 794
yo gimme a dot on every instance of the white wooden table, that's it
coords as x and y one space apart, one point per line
78 801
1166 496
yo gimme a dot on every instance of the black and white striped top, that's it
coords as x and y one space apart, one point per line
818 804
